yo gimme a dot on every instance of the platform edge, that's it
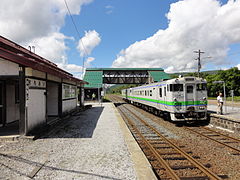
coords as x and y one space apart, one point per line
142 166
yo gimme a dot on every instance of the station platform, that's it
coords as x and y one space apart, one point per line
91 144
230 112
229 120
114 140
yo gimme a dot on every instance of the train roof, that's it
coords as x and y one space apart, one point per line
174 81
186 79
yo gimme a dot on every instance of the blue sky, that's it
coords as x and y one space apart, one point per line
136 33
128 22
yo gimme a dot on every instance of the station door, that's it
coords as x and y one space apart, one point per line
36 107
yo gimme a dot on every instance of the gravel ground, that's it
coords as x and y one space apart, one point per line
221 160
89 145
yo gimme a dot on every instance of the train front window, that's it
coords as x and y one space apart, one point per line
202 87
176 87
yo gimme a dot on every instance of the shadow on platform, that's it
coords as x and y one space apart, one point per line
11 129
79 125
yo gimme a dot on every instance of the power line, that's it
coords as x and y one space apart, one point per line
84 49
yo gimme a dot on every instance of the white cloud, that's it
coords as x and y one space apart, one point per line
238 66
51 47
73 68
90 40
109 9
88 61
38 23
208 26
21 20
76 70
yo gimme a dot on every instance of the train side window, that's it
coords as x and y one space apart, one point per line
171 87
165 93
150 92
145 93
160 92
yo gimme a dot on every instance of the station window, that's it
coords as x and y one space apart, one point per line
160 92
69 91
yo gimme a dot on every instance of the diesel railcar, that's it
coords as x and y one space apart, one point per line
180 99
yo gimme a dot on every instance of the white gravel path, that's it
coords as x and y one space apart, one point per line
89 145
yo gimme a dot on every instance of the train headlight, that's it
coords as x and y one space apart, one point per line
201 107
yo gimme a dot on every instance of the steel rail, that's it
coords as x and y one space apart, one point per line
224 144
229 137
168 169
191 159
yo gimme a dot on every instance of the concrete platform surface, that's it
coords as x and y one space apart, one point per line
230 112
94 144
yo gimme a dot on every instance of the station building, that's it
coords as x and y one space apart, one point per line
34 90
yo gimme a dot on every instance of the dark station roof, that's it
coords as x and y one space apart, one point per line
15 53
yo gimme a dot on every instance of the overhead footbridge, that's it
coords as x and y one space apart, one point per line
96 77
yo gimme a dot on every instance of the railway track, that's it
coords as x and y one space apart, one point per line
168 159
220 138
216 137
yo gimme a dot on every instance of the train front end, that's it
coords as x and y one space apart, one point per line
190 102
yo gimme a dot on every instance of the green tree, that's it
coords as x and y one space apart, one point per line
231 77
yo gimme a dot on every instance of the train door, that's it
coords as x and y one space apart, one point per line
190 93
165 97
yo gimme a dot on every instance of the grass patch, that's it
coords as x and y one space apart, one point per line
235 98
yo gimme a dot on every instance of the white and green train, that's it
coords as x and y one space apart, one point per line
181 99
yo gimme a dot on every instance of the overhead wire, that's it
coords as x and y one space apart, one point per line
75 26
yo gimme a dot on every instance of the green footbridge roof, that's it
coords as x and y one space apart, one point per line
94 76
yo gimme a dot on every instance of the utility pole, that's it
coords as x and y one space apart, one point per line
199 60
